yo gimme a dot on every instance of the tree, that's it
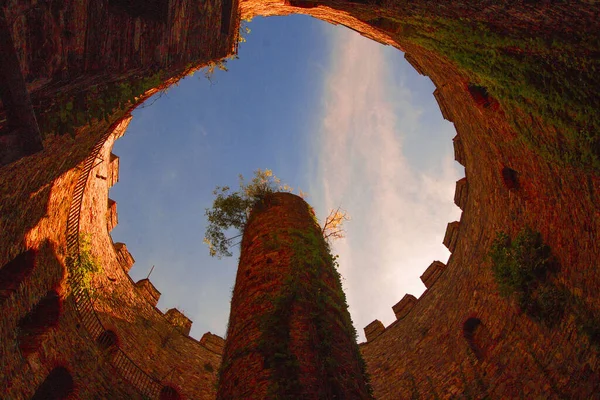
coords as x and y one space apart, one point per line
232 209
333 226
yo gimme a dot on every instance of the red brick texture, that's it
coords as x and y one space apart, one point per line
433 350
281 343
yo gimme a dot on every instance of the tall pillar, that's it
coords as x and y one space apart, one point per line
290 335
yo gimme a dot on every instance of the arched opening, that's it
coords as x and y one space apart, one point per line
58 385
107 340
14 272
34 326
169 393
510 178
482 97
477 336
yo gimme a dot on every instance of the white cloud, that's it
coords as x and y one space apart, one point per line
398 214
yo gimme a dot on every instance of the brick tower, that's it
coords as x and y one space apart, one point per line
290 334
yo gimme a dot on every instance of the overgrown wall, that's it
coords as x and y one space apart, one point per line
424 354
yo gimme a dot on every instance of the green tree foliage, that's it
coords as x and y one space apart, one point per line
232 209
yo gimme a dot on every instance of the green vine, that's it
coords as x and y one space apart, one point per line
99 102
547 78
524 269
311 266
84 266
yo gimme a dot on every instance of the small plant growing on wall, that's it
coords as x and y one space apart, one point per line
84 265
232 209
522 268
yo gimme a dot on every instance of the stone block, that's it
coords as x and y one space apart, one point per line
179 320
124 257
442 103
412 61
213 342
374 329
147 290
111 215
461 193
113 170
451 236
459 152
432 273
403 307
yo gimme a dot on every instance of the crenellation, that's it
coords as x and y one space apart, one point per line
414 63
461 193
148 291
451 236
111 215
213 342
179 320
437 351
445 110
113 170
404 306
459 152
432 273
123 256
374 329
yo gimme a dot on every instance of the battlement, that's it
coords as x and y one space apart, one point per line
414 63
451 236
123 256
111 215
113 170
403 307
213 342
179 320
457 340
459 151
445 110
431 274
373 330
148 291
461 192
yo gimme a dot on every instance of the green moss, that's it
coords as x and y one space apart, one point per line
549 79
71 111
311 265
83 266
523 267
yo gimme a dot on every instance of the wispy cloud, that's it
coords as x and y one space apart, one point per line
399 214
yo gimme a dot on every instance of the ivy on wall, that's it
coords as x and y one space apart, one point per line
98 102
525 270
547 78
314 283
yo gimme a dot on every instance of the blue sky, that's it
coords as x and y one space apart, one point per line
343 118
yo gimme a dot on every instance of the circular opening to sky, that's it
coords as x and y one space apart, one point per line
342 118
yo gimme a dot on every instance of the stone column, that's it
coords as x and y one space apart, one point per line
290 334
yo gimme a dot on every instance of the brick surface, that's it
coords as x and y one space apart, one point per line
422 355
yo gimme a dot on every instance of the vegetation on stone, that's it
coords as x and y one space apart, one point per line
84 265
522 267
231 210
549 79
302 319
71 111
